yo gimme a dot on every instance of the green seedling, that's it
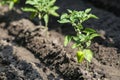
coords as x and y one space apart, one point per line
42 9
11 3
83 35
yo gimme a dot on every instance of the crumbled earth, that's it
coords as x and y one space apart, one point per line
30 52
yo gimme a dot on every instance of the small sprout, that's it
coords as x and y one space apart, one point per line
42 9
11 3
83 36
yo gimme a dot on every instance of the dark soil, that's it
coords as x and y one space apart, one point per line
109 5
29 52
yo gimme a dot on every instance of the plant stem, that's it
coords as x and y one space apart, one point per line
87 65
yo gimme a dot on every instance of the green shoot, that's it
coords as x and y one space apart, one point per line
42 9
11 3
83 36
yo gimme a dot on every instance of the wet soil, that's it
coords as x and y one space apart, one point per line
30 52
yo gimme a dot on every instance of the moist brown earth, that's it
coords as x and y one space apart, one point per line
30 52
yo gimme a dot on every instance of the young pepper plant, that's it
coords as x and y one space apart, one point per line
83 35
11 3
42 9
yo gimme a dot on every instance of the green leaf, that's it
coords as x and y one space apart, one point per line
74 45
52 11
80 56
82 37
64 16
89 30
67 40
75 38
30 2
88 54
51 2
29 9
94 35
80 26
64 21
70 11
88 43
88 10
32 15
15 1
92 16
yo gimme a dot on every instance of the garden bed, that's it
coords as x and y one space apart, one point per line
26 53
